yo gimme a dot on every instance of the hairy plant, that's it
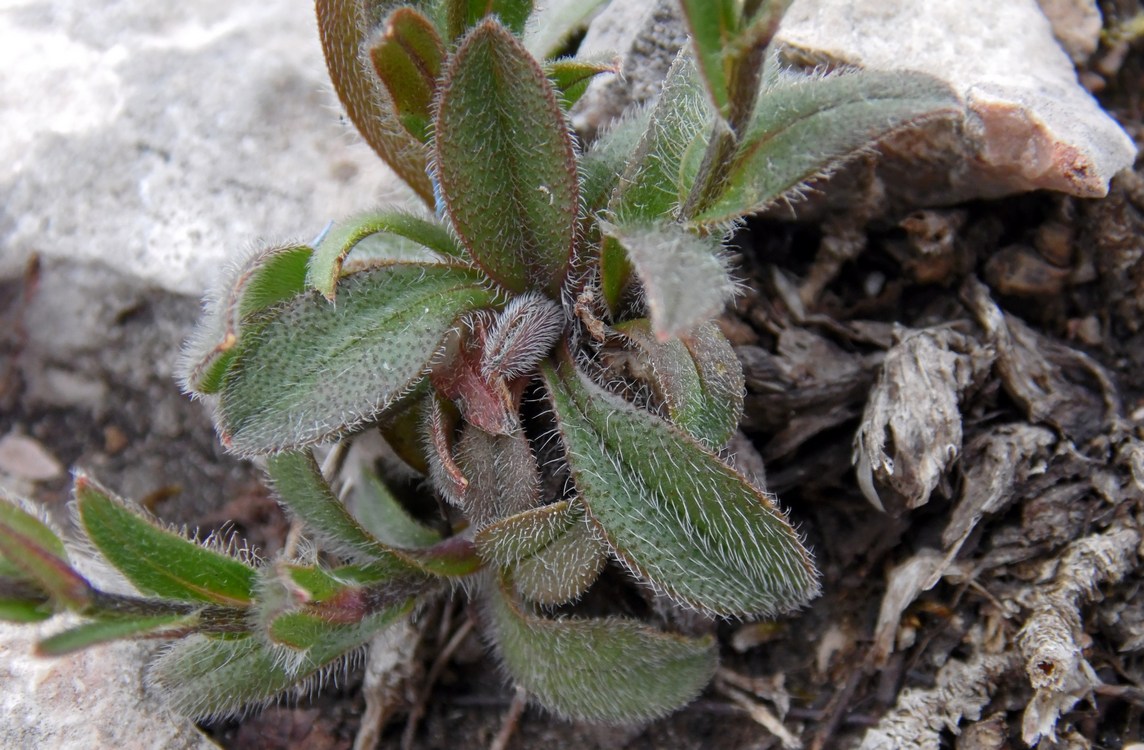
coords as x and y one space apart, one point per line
538 344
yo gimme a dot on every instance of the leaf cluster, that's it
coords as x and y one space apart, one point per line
538 343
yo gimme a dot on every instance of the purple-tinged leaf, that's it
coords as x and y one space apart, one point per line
505 162
31 550
344 26
105 631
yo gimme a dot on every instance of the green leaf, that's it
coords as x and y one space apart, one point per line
563 570
652 182
714 26
697 378
673 512
523 534
571 76
31 550
393 228
465 14
505 162
609 670
608 156
299 483
804 125
156 560
104 631
344 26
313 371
267 278
407 57
211 678
684 280
384 516
554 23
501 472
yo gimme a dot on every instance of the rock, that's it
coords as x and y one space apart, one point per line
1029 124
25 458
159 141
1076 25
91 699
145 144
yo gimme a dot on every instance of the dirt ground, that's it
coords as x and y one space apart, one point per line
993 353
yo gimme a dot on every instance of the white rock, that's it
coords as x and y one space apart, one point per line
161 138
92 699
25 458
1029 124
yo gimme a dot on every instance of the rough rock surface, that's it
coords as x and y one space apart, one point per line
1029 124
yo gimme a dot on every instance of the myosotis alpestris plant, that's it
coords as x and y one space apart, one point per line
539 345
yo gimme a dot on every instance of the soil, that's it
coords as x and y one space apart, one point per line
1028 313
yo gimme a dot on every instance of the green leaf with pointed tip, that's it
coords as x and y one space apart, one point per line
673 512
344 26
513 538
312 371
105 631
571 76
385 517
29 548
505 162
407 57
299 483
610 670
804 125
204 677
696 377
268 277
157 560
563 570
554 23
394 226
684 280
652 182
465 14
714 26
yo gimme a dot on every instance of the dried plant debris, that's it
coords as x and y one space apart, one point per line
962 690
1048 641
911 431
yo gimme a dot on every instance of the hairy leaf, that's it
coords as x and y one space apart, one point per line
313 371
522 534
502 475
521 335
157 560
652 182
604 162
393 227
29 549
407 57
104 631
23 601
673 512
684 280
505 162
562 570
610 670
210 678
696 377
344 26
805 125
265 279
